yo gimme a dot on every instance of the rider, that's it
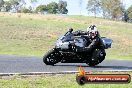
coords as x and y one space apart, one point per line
93 37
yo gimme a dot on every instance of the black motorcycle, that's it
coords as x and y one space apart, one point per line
68 50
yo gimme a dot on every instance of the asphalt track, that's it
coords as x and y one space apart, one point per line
24 64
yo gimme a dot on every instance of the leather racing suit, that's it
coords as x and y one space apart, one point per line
92 43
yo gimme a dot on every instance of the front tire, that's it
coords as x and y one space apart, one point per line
52 57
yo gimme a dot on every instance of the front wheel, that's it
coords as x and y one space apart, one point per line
52 57
97 57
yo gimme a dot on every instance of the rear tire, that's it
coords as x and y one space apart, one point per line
97 57
52 57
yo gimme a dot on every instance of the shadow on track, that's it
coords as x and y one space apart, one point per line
71 65
97 67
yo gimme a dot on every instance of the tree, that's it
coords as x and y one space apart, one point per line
112 9
129 11
30 8
33 0
41 8
125 16
33 3
7 6
93 6
52 7
62 7
17 5
1 4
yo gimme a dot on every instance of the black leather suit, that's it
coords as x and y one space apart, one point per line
92 43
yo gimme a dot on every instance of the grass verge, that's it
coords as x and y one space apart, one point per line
55 81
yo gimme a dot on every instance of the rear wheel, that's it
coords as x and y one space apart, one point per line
97 57
52 57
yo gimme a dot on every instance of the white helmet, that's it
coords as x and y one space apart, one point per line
92 31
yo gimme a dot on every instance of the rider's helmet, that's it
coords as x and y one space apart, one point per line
70 29
92 31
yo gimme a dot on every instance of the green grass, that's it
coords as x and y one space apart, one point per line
34 35
55 81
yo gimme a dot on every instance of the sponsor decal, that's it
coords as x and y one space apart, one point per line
83 78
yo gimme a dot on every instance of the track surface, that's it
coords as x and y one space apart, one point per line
23 64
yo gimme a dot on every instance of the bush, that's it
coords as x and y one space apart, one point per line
41 8
25 10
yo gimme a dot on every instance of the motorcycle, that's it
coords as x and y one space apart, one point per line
68 49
